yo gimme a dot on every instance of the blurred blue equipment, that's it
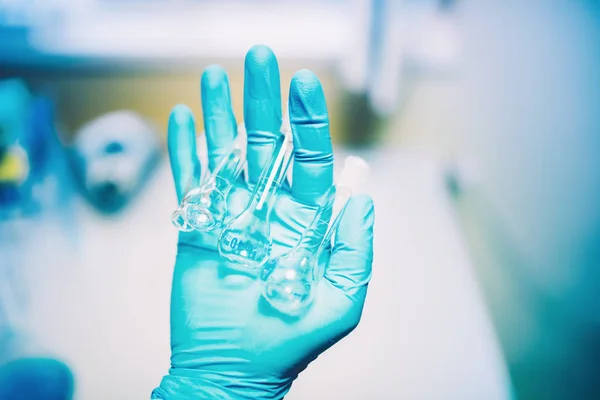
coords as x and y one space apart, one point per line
32 159
246 240
204 208
290 279
33 178
35 379
114 156
14 163
14 103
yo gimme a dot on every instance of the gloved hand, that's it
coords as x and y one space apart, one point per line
226 343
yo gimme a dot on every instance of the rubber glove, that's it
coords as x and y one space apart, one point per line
226 342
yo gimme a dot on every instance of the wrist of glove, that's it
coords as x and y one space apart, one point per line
192 385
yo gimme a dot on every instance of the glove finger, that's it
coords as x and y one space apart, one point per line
313 153
262 107
351 260
219 120
185 165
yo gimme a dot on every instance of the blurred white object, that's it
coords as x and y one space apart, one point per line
419 34
429 36
191 29
354 174
114 155
354 61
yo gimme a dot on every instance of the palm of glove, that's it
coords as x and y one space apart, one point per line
227 342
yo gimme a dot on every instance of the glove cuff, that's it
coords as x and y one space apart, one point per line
174 387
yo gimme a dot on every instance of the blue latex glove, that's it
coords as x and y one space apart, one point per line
226 342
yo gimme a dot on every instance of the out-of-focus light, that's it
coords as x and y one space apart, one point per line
186 30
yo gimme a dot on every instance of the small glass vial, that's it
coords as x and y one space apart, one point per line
291 278
246 239
204 208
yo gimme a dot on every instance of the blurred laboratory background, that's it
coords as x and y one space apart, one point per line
481 122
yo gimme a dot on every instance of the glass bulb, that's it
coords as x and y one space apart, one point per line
290 283
204 208
290 278
207 208
179 221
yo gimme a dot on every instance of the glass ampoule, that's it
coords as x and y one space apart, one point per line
204 208
246 240
290 279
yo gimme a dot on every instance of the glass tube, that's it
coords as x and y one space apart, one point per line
290 279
